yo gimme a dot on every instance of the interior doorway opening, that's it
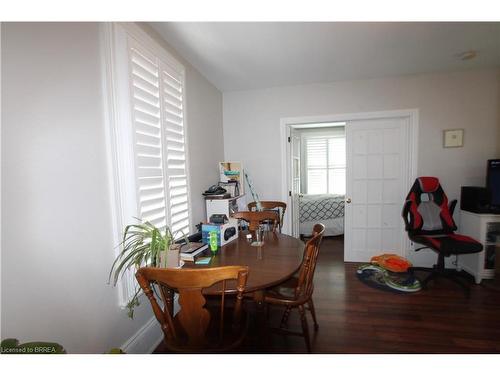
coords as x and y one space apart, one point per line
319 173
379 168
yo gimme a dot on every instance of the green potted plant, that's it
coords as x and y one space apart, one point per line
144 244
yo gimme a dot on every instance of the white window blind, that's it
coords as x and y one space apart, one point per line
150 180
316 153
147 135
325 165
157 96
173 99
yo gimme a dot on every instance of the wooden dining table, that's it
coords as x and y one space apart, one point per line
270 264
275 261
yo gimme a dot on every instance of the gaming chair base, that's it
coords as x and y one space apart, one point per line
438 270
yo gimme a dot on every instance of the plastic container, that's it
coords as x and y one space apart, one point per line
213 241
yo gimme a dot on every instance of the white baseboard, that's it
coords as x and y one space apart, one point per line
145 340
149 336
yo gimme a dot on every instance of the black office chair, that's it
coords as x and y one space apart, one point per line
429 222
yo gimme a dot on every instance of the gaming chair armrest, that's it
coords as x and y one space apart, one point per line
452 206
406 210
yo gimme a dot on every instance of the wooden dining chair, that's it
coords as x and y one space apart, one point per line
255 218
298 291
280 207
194 328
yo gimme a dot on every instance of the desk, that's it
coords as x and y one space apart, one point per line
271 264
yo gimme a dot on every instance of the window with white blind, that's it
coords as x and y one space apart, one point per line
325 165
160 152
148 145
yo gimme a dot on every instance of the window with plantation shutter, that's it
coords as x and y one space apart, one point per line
325 165
160 153
147 134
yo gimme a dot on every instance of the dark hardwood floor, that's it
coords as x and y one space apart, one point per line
354 318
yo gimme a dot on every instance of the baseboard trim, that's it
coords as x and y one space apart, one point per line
145 340
149 336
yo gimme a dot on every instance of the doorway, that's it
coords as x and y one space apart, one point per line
318 156
380 166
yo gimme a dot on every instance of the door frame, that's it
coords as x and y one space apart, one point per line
286 123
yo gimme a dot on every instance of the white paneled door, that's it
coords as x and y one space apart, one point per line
377 182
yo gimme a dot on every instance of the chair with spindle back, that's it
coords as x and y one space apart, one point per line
190 330
298 291
280 207
255 218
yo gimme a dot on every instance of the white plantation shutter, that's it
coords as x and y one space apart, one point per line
175 141
157 102
316 154
148 151
317 149
147 135
325 165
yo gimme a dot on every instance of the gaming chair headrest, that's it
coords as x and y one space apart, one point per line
428 184
427 208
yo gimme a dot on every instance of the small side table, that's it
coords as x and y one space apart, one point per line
485 228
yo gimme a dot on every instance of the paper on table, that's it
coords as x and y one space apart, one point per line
203 260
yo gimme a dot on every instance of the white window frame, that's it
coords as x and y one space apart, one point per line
119 137
322 135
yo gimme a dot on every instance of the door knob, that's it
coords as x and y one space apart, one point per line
348 200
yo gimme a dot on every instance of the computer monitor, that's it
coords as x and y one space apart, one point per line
493 182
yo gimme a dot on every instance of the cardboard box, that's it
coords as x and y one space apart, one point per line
225 232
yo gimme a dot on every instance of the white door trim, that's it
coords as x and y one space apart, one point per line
287 122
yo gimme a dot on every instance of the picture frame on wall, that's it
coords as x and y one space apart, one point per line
453 138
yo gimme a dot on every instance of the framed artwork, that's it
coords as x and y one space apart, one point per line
453 138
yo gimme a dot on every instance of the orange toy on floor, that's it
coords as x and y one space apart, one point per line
391 262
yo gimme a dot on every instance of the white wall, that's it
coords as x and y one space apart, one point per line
57 244
467 100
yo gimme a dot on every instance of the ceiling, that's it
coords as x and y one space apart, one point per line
251 55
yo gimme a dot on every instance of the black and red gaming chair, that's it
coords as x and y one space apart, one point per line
429 222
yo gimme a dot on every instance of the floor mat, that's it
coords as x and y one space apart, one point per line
380 278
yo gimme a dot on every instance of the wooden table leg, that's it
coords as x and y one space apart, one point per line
258 297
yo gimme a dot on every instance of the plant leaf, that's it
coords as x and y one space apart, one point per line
141 243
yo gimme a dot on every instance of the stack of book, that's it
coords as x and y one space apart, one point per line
192 250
